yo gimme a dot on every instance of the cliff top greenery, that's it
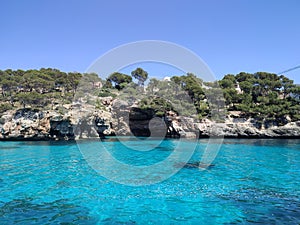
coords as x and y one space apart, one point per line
263 96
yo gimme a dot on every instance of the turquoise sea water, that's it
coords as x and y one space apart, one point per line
250 182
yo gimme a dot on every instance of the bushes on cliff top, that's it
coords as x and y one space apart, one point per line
260 95
4 107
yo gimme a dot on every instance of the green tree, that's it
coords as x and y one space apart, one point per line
141 75
244 77
73 80
246 86
7 83
228 81
158 104
31 99
287 85
120 80
231 96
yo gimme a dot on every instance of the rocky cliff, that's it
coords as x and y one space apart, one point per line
118 118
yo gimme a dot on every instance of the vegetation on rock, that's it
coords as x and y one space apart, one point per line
266 97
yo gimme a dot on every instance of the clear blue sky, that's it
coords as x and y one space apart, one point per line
230 36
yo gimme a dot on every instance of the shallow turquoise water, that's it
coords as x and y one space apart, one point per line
251 182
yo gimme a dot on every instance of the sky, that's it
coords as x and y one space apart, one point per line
230 36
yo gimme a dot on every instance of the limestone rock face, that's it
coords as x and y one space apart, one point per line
119 118
248 129
24 124
27 124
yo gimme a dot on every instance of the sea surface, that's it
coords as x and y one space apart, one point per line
249 182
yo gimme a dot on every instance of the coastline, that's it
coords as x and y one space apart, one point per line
108 138
200 138
30 125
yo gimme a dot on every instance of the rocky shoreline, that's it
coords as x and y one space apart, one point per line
121 120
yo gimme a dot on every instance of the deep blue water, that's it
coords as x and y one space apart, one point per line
250 182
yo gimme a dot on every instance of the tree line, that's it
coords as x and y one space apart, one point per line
39 88
262 95
265 96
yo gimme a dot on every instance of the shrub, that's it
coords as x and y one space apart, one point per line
4 107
